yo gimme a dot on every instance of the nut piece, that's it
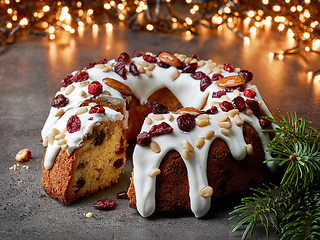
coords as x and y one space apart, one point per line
206 192
154 172
249 149
69 89
119 86
170 59
186 154
238 120
170 118
200 142
83 94
59 113
151 67
89 215
225 131
208 134
187 145
23 155
203 122
81 110
84 84
148 121
55 131
233 112
143 64
59 136
231 81
190 110
99 66
201 63
222 117
64 147
226 125
155 147
148 73
174 75
62 142
45 142
157 117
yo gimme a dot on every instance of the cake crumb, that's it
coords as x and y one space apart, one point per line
89 215
23 155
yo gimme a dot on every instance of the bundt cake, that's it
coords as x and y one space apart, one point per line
201 135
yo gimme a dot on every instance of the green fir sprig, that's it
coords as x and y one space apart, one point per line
292 209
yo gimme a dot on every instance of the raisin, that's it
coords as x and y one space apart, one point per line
66 81
80 76
117 164
149 58
205 82
163 65
95 88
264 123
250 93
73 124
122 195
105 204
120 69
216 77
226 106
99 139
124 57
160 129
239 103
80 183
186 122
97 109
133 69
212 110
218 94
144 139
191 68
246 74
157 108
227 67
59 101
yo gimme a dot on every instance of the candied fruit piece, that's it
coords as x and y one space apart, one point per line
160 129
105 204
137 54
59 101
186 122
73 124
157 108
250 93
95 88
122 195
227 67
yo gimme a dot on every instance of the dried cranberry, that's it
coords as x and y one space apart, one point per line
144 139
246 74
97 109
118 163
250 93
186 122
80 76
66 81
133 69
182 66
122 195
95 88
194 56
227 67
103 61
120 69
90 118
73 124
160 129
59 101
124 57
264 123
137 54
219 94
216 77
105 204
190 68
254 106
205 82
231 89
149 58
157 108
163 65
198 75
212 110
90 65
226 106
239 103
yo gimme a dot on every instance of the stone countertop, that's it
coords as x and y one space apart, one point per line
30 72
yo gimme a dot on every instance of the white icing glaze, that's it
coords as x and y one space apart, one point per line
187 91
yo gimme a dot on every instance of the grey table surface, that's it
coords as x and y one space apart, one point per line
30 71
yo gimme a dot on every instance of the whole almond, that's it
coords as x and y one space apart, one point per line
231 81
119 86
170 59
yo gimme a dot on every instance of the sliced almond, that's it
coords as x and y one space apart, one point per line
206 192
59 136
106 69
55 131
119 86
190 110
148 73
169 59
231 81
64 147
61 142
141 69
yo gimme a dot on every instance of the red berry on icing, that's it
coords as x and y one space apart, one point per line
90 118
160 129
144 139
90 65
239 103
59 101
231 89
198 75
124 57
216 77
137 54
122 195
66 81
80 76
73 124
163 65
186 122
254 106
182 66
149 58
194 56
97 109
133 69
205 82
120 69
246 74
250 93
157 108
219 94
227 67
105 204
95 88
264 123
190 68
212 110
226 106
103 61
